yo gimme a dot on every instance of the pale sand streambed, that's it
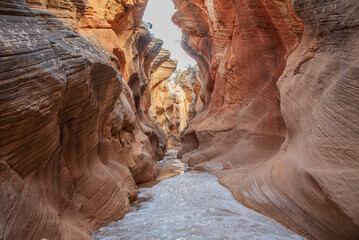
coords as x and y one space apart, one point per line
192 205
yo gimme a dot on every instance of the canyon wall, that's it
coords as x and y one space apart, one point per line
116 29
241 50
191 84
60 174
169 103
273 110
280 125
75 135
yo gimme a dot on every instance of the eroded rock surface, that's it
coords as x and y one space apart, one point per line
60 174
74 135
241 51
169 104
191 83
280 123
114 27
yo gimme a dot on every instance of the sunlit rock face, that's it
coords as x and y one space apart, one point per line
191 83
111 22
114 28
280 124
60 172
68 11
169 103
75 138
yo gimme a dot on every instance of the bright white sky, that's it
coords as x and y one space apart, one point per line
159 13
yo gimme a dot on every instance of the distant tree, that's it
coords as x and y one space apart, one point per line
177 76
149 25
192 69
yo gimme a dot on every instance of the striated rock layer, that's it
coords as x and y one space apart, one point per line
75 136
280 121
191 83
60 174
114 27
241 51
169 105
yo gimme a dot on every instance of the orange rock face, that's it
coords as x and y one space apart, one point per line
241 51
60 174
191 83
280 123
74 137
169 105
115 29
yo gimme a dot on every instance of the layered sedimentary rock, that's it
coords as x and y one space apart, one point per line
280 124
169 105
61 176
191 83
113 23
73 141
68 11
241 49
114 27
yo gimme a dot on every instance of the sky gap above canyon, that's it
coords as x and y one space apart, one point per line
159 13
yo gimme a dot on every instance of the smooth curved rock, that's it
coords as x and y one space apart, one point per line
169 104
191 84
115 29
240 60
280 124
73 143
60 175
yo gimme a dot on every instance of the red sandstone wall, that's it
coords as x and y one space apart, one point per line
60 175
241 49
279 127
280 124
72 145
